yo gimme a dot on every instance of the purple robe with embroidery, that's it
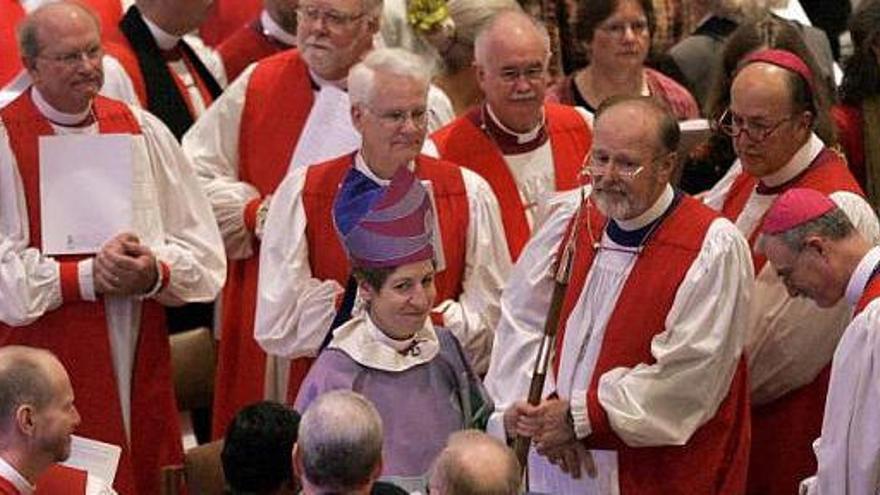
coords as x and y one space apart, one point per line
420 407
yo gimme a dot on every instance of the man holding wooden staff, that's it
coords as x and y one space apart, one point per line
647 390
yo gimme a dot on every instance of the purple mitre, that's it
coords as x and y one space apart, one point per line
384 227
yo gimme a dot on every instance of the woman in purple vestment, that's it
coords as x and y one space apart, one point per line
416 374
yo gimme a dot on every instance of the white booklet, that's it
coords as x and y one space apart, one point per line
85 190
97 458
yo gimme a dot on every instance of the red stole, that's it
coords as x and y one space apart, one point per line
11 12
464 143
279 91
62 479
7 488
77 331
783 430
714 460
247 45
872 291
327 257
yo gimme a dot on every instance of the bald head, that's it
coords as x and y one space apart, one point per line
474 463
510 27
776 107
38 28
27 376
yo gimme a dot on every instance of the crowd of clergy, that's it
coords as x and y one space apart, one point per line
634 240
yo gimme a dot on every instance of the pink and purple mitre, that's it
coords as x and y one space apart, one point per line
794 208
384 226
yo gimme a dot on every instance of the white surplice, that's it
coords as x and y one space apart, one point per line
702 342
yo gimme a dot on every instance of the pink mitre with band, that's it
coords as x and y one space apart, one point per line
384 226
794 208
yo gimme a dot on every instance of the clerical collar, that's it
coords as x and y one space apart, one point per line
634 232
31 5
56 116
274 30
799 162
366 344
511 142
321 82
360 164
12 475
864 272
164 39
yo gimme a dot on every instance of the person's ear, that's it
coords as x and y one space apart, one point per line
25 419
296 461
366 290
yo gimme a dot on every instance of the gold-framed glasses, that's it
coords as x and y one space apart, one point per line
332 18
73 57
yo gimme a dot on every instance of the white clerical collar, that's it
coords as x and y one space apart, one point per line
861 275
321 82
360 164
32 5
653 213
164 39
57 116
274 30
798 163
13 476
521 137
364 342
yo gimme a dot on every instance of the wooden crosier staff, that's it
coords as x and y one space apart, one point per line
551 324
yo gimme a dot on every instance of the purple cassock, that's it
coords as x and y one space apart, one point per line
420 406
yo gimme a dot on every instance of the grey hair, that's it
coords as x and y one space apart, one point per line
455 471
481 49
392 61
28 35
340 439
668 132
834 225
24 379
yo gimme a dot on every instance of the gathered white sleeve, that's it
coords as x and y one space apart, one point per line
212 146
695 356
30 283
474 315
524 304
294 309
190 246
848 453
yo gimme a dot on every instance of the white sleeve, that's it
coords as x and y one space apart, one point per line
714 198
294 309
212 146
695 356
440 110
524 305
191 248
848 452
30 283
860 214
473 317
117 83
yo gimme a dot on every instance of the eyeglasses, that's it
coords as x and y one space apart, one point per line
532 73
333 19
397 118
600 164
618 29
733 125
90 54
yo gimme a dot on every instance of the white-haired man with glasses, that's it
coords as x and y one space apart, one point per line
790 341
305 272
648 375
